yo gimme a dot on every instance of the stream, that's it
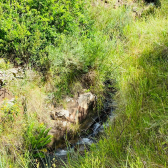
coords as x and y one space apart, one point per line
86 140
87 136
83 141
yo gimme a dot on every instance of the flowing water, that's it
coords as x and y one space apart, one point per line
85 138
83 142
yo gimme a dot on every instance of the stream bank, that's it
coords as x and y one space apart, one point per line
90 129
79 112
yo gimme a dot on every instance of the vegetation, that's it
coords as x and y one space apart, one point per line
36 139
138 135
73 44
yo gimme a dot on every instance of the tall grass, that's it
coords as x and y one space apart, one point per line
103 43
138 135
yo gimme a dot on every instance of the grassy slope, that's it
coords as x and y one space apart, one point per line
138 135
133 52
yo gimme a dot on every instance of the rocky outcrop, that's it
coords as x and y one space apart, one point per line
76 111
10 74
6 75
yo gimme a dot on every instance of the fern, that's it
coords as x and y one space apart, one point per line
36 139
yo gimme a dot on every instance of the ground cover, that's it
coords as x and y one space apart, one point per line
66 45
138 135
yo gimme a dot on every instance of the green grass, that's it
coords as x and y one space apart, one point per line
138 135
101 43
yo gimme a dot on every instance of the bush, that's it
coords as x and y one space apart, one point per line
28 27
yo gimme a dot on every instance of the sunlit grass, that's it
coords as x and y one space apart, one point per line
137 137
131 51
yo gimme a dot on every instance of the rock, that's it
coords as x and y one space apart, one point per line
68 99
134 9
59 129
52 115
83 103
13 71
2 77
10 74
75 112
77 109
63 113
85 99
6 94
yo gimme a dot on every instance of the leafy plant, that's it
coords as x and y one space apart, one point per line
36 139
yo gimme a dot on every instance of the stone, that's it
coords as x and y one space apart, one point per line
134 9
76 111
10 74
63 113
68 99
85 99
13 71
6 94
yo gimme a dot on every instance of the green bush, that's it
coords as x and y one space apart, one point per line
28 27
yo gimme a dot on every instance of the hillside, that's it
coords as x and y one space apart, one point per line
58 49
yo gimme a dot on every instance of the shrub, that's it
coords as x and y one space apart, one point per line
28 27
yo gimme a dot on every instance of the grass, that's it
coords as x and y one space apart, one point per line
29 107
138 135
116 45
